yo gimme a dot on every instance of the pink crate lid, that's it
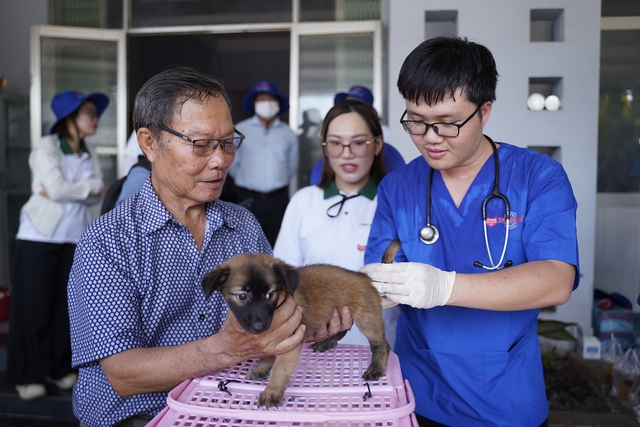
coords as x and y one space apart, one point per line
170 418
326 387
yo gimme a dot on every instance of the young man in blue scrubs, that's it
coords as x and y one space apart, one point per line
470 291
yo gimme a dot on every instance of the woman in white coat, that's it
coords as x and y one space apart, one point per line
67 187
329 223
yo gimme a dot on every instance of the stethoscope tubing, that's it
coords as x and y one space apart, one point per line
429 234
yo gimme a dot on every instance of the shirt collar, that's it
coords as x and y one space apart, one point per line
155 215
369 190
256 122
64 146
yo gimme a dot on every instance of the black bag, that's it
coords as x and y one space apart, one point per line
114 190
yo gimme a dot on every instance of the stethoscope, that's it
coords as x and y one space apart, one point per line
429 234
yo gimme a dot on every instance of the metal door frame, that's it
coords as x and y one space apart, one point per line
118 36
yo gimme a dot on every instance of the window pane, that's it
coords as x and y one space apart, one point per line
620 8
328 64
619 111
84 65
339 10
238 59
154 13
86 13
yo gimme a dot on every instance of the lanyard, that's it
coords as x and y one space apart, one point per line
340 204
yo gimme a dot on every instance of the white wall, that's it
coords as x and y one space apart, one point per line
16 18
503 26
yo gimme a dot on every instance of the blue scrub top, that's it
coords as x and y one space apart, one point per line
469 366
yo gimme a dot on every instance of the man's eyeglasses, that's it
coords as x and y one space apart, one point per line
204 147
335 148
447 130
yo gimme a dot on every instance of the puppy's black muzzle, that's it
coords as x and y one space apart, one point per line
256 318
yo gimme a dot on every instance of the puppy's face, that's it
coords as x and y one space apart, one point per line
251 284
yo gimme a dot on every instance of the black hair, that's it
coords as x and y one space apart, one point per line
370 117
163 95
63 130
440 67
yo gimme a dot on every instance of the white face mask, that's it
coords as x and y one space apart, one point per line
267 110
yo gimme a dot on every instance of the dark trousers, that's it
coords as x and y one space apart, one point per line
39 338
426 422
268 208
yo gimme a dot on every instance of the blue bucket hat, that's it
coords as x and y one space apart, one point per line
65 103
268 87
358 92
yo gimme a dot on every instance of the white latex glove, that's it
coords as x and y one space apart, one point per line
412 283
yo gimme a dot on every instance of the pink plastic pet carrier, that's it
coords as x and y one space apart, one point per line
326 389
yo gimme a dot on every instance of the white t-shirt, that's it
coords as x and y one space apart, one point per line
308 235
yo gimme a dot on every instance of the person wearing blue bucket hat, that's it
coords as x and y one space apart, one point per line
268 160
66 103
67 188
360 93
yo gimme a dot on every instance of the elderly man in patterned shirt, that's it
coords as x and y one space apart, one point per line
139 322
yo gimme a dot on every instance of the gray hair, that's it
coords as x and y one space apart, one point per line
163 95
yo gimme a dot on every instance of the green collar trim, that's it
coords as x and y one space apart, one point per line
369 190
64 146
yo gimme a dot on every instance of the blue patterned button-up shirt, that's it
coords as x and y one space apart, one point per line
136 282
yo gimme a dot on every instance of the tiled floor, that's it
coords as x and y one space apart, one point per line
57 404
15 421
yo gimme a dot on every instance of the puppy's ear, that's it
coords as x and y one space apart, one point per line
215 280
289 275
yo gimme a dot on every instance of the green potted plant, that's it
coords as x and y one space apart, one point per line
555 338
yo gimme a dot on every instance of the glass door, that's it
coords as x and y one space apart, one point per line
328 58
88 60
15 180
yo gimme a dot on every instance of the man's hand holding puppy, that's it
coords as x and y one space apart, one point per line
411 283
339 322
241 345
283 335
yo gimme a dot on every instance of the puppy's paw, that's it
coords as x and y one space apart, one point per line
373 373
257 374
325 345
269 399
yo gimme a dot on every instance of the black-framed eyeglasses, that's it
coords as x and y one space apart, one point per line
447 130
335 148
205 147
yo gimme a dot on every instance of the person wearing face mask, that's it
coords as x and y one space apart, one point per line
268 159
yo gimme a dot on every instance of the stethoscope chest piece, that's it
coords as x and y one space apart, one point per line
429 234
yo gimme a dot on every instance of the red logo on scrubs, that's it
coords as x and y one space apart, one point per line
513 222
362 248
492 221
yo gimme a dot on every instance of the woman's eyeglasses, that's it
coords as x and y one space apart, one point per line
357 148
205 147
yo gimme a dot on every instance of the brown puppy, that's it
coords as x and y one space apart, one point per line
252 285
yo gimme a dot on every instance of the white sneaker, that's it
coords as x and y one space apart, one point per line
31 391
66 382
